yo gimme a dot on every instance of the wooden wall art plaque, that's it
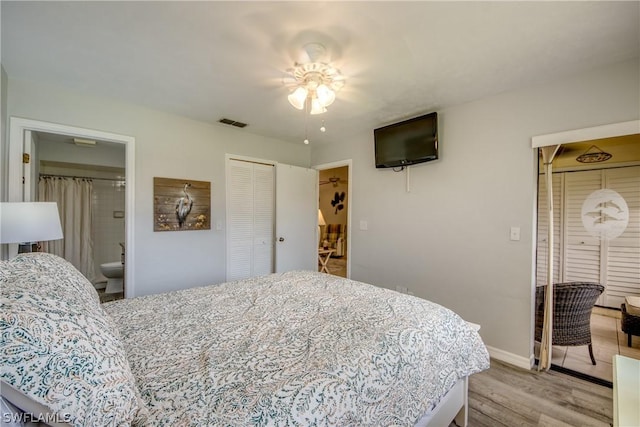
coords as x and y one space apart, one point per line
181 204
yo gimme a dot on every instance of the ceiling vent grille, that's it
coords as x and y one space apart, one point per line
232 123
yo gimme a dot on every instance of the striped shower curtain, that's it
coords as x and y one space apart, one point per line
73 196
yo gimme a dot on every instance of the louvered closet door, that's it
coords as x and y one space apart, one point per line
263 219
623 252
543 224
250 199
582 256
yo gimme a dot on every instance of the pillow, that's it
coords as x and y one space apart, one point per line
633 305
59 271
59 348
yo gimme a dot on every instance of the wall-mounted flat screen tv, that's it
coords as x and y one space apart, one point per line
407 143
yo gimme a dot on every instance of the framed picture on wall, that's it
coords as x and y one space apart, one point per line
181 204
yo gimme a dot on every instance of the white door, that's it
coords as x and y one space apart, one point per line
622 254
296 218
250 212
582 257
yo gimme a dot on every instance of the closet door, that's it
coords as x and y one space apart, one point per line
296 218
623 252
250 218
263 219
582 255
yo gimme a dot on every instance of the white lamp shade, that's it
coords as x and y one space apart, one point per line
298 97
23 222
321 218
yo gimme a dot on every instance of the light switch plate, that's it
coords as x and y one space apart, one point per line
515 233
364 225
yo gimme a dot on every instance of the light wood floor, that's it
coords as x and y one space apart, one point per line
508 396
338 266
608 340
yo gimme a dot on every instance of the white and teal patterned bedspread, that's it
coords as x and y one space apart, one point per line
293 349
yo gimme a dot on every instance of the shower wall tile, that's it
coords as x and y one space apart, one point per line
108 232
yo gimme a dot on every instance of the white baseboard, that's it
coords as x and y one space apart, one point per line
510 358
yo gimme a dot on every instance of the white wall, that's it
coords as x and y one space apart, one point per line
4 147
166 146
448 239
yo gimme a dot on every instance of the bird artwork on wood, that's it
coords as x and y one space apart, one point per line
183 207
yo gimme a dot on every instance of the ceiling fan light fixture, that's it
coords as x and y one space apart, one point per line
314 82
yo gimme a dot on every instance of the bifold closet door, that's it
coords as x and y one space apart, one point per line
582 251
581 255
623 252
250 222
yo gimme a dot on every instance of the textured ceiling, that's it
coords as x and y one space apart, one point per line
208 60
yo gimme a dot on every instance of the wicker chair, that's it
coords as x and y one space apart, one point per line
630 324
573 302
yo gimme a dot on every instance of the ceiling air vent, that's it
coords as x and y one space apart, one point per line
232 123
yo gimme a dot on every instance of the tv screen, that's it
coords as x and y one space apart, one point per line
407 143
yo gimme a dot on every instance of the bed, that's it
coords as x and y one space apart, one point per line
292 349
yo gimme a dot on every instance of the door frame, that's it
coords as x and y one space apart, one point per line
338 164
20 127
561 138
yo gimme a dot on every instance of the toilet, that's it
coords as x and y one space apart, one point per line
114 272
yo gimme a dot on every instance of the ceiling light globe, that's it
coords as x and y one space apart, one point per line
316 107
298 97
325 95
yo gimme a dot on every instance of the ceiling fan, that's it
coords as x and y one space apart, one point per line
333 180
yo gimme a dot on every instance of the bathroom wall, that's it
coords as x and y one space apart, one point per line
108 222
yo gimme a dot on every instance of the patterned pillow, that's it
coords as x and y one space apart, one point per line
59 348
60 272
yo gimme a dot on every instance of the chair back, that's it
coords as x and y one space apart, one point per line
572 305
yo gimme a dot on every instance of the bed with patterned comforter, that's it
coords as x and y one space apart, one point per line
299 348
291 349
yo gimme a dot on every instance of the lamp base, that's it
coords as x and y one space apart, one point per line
28 247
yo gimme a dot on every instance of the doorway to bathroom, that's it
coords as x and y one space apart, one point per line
87 179
85 172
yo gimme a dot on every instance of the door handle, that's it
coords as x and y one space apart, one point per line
281 239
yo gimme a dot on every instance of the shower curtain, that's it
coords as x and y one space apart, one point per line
73 196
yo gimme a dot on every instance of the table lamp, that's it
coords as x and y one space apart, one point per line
28 222
321 222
